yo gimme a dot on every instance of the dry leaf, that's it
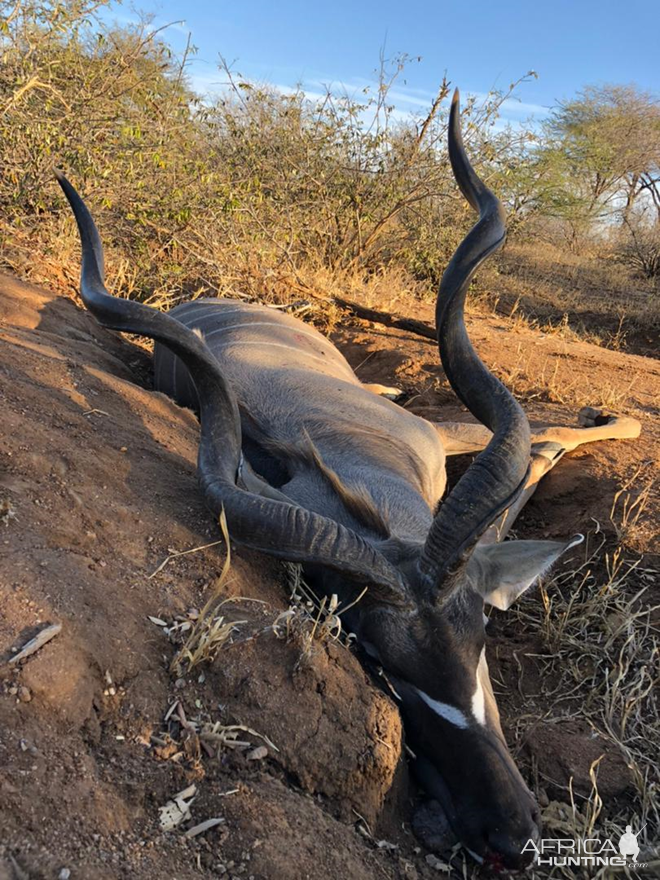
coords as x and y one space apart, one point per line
257 754
203 826
177 810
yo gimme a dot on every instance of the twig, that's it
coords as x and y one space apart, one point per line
203 826
172 709
36 643
183 553
18 871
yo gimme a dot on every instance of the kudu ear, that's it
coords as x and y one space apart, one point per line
502 572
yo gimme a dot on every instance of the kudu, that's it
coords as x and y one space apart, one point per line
311 466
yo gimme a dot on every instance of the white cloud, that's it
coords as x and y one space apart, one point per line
408 101
206 83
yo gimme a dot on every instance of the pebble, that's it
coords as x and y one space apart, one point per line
257 754
64 874
24 694
434 862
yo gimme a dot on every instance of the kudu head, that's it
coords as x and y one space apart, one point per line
433 655
423 614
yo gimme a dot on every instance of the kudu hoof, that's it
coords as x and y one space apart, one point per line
591 417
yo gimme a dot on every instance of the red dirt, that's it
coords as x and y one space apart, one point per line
99 474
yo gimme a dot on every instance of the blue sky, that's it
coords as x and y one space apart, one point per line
480 44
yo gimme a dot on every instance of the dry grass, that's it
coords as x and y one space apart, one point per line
630 503
589 296
211 631
603 663
7 511
557 382
228 736
310 620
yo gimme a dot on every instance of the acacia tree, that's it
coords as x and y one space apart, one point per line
606 142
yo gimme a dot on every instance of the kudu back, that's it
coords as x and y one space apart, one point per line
310 466
380 474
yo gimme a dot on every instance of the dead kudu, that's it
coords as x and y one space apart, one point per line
311 466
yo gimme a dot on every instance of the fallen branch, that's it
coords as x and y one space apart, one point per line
419 328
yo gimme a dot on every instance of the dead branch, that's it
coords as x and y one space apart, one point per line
419 328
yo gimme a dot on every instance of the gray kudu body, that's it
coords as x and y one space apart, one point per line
312 467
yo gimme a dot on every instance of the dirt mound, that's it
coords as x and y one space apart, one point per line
99 477
97 487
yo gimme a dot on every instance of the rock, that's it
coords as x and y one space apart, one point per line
436 863
431 827
257 754
24 694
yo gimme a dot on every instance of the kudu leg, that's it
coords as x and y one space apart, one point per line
383 390
461 439
548 446
595 425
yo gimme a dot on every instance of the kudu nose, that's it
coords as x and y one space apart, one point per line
514 850
507 852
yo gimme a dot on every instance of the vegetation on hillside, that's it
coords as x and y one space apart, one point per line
257 192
